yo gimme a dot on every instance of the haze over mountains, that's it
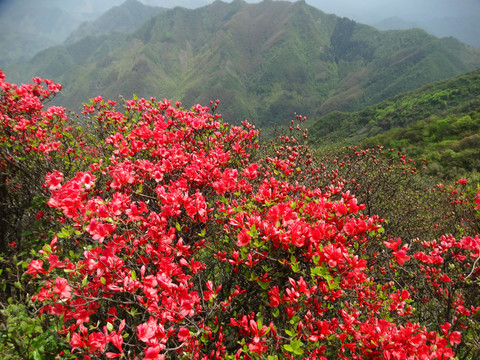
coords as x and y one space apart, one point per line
440 17
264 61
28 26
124 19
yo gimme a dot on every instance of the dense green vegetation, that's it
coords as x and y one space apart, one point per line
264 61
440 122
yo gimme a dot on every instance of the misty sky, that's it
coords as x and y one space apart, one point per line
457 18
366 11
410 10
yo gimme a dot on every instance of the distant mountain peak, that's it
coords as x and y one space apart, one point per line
264 61
124 18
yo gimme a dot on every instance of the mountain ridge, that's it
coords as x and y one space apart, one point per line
264 61
124 18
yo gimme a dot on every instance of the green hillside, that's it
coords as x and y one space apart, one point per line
440 122
264 61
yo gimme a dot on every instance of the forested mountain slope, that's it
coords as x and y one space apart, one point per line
264 61
440 122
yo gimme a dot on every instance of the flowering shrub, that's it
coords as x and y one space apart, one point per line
390 184
33 142
180 236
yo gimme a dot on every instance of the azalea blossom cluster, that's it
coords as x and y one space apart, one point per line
183 237
34 140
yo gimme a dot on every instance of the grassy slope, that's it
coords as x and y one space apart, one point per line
440 122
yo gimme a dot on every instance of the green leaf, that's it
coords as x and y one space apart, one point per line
103 281
275 312
264 285
294 264
133 274
110 327
297 346
333 283
37 355
317 271
65 233
47 249
295 267
294 347
253 232
295 320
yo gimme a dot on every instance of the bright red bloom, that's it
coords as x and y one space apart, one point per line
243 238
35 267
62 288
183 334
53 180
